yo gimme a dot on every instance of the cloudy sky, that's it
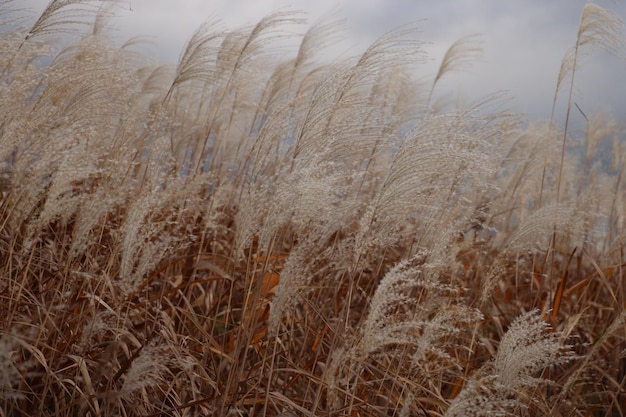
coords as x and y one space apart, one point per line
524 40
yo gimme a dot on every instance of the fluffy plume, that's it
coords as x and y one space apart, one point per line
528 347
258 231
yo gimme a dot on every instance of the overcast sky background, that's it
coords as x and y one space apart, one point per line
524 40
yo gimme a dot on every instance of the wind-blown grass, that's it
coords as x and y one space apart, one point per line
249 232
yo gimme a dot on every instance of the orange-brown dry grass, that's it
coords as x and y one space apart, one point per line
214 239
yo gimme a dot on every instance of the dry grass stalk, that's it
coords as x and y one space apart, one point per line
247 234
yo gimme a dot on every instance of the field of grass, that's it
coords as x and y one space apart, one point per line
256 233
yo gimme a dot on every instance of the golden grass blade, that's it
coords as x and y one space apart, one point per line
560 290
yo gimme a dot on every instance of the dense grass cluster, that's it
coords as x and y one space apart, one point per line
252 233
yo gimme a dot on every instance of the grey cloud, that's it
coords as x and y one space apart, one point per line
524 41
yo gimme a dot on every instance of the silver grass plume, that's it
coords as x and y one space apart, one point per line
459 56
504 386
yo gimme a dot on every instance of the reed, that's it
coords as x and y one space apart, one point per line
249 232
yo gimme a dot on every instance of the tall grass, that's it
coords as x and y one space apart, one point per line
248 233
